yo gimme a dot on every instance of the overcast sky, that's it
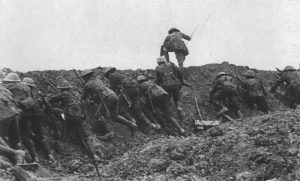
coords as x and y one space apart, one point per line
66 34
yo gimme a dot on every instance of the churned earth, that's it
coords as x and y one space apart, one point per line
257 147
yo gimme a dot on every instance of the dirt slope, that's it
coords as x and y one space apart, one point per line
215 158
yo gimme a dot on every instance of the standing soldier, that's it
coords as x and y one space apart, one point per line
174 43
224 92
156 96
98 92
291 78
129 94
75 116
169 77
31 124
254 92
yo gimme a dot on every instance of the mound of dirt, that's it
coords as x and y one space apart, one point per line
264 147
194 157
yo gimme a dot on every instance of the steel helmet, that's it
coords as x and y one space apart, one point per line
172 30
28 81
249 73
12 77
2 74
289 68
221 74
86 73
141 78
109 70
64 84
149 77
161 59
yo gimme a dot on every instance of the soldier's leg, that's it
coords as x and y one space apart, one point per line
84 133
40 135
262 104
162 102
14 132
113 106
27 134
138 113
180 56
176 98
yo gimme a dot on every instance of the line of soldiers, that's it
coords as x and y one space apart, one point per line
225 92
125 100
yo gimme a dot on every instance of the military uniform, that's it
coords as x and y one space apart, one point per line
156 96
174 43
255 93
9 123
31 119
74 116
169 77
224 92
95 88
131 89
291 78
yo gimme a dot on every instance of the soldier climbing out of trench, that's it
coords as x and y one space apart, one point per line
157 97
170 78
255 93
174 43
129 94
98 92
224 92
291 78
74 114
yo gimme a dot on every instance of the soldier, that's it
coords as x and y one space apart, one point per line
254 92
169 77
97 90
291 78
129 94
74 114
9 124
31 124
224 92
174 43
156 96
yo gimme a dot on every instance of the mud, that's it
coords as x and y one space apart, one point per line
259 146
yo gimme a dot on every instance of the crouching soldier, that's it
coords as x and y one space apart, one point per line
169 77
156 96
254 92
129 94
224 92
10 139
30 121
174 43
95 89
291 78
74 114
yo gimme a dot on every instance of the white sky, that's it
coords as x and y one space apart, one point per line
66 34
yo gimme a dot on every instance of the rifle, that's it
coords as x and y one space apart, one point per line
126 97
48 105
280 71
79 78
237 77
198 109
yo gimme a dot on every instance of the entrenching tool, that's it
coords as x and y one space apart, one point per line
200 123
